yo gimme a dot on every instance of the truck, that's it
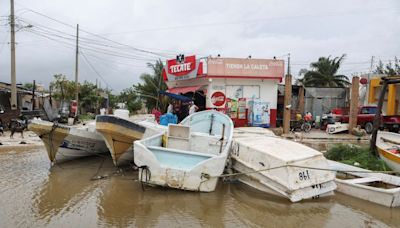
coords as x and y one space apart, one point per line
365 118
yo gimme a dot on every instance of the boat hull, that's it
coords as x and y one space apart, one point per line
191 156
266 184
64 143
387 141
119 135
362 185
281 167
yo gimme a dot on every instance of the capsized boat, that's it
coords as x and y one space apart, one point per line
378 188
190 156
279 166
65 143
388 146
119 133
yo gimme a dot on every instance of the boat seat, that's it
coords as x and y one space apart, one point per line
159 148
363 180
178 137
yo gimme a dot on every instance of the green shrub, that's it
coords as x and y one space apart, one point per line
352 154
86 117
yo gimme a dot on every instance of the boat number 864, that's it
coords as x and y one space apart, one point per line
304 175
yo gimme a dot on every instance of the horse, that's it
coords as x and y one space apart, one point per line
17 126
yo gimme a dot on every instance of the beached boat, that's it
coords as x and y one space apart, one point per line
378 188
64 142
337 128
119 134
279 166
388 146
190 156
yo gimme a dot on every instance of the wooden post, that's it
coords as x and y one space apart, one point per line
33 95
301 100
354 97
286 104
377 119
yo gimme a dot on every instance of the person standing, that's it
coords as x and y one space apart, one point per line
170 108
193 108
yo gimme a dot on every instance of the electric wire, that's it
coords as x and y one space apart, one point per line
94 69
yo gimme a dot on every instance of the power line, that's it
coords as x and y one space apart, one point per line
263 20
94 69
93 34
4 42
89 45
91 49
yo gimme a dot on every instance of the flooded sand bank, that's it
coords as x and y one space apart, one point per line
33 194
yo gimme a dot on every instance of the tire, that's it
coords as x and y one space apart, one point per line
306 127
369 127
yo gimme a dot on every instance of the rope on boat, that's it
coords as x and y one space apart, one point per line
96 175
304 167
147 175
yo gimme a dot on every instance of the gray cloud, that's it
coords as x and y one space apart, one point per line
307 29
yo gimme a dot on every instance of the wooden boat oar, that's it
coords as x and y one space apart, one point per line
390 141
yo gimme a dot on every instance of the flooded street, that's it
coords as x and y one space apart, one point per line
70 195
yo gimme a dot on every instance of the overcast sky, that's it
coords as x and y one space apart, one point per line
124 35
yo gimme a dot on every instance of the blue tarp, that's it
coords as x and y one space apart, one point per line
168 118
176 96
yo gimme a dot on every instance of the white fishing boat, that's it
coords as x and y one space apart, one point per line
190 156
378 188
120 132
65 143
388 146
279 166
337 128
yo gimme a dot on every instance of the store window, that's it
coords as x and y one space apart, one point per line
242 91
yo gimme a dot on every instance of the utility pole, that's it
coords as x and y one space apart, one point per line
288 64
13 72
76 67
372 64
366 100
33 95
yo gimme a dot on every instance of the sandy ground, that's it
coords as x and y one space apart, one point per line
316 134
30 140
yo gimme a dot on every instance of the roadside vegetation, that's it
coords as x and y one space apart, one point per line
356 156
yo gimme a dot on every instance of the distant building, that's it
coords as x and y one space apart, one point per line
24 97
392 96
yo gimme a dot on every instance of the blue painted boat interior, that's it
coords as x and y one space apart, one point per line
175 160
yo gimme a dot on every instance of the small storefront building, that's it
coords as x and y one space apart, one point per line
245 89
392 97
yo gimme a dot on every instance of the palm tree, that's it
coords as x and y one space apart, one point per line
152 85
324 73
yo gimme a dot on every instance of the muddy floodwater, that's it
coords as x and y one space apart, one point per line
74 194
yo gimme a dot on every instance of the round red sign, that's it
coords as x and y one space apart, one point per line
363 81
218 98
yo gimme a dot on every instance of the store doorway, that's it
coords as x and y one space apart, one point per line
199 99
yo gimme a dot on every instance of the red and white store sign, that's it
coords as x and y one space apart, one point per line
181 68
187 68
218 98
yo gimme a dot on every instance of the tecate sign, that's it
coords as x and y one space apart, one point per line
184 67
218 98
